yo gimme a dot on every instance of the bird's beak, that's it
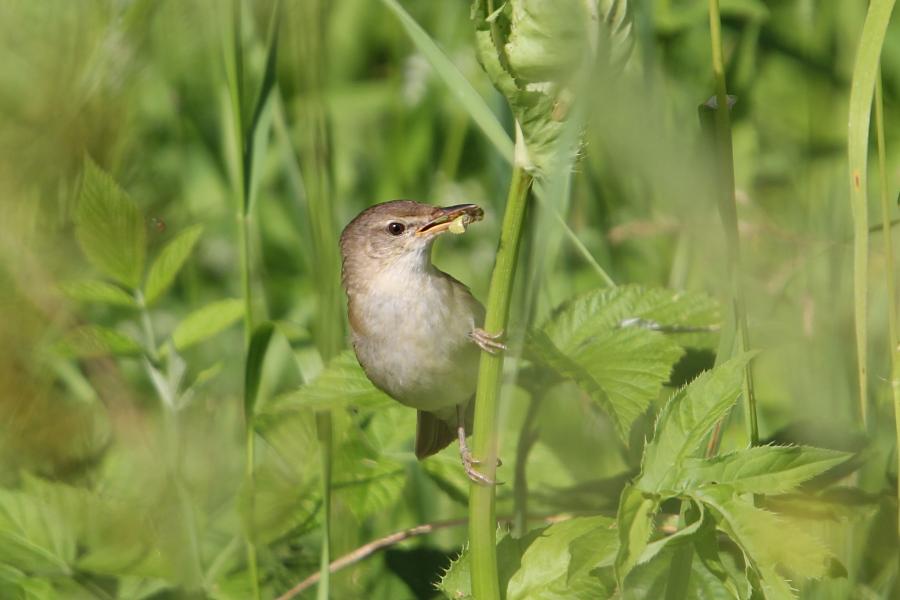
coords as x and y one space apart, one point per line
446 215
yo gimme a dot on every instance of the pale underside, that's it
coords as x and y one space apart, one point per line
411 333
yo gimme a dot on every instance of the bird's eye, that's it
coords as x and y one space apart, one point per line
395 228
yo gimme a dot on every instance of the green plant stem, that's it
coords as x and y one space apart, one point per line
172 443
893 340
250 434
244 241
527 438
887 234
317 171
147 326
233 55
323 431
482 521
728 212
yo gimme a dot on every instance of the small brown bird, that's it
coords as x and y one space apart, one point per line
414 328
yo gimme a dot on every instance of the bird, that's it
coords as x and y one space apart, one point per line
416 331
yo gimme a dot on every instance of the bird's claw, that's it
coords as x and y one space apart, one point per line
469 462
489 342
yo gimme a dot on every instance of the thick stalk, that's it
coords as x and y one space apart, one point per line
893 340
728 210
482 518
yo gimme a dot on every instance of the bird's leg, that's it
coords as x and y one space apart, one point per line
489 342
468 460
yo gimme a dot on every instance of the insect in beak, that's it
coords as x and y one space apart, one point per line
452 218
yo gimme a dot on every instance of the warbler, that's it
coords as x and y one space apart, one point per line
416 330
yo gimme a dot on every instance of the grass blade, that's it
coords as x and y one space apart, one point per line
481 113
724 158
893 340
865 72
456 82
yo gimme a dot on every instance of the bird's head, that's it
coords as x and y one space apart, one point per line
399 234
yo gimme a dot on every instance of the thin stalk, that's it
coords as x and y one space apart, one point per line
541 194
482 516
234 72
317 173
172 446
250 478
893 340
887 235
147 326
527 439
728 211
246 287
323 431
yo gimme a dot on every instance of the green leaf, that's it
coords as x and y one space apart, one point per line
687 419
457 580
619 344
366 482
110 228
768 540
544 568
445 473
284 501
257 128
89 341
761 470
341 383
656 579
206 322
635 524
679 538
169 262
595 549
256 354
682 316
623 371
456 82
98 291
38 527
288 495
548 562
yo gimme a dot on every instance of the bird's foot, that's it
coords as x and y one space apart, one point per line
469 462
489 342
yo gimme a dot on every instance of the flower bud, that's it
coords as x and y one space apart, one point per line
537 53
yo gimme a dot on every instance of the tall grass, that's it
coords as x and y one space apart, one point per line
246 125
893 345
865 72
317 170
725 194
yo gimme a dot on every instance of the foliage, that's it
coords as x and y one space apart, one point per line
170 169
719 493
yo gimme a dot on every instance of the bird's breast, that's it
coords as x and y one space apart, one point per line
412 339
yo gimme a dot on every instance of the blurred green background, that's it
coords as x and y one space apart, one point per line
105 495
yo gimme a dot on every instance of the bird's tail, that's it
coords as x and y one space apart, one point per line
433 434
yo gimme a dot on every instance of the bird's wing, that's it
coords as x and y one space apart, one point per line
466 294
